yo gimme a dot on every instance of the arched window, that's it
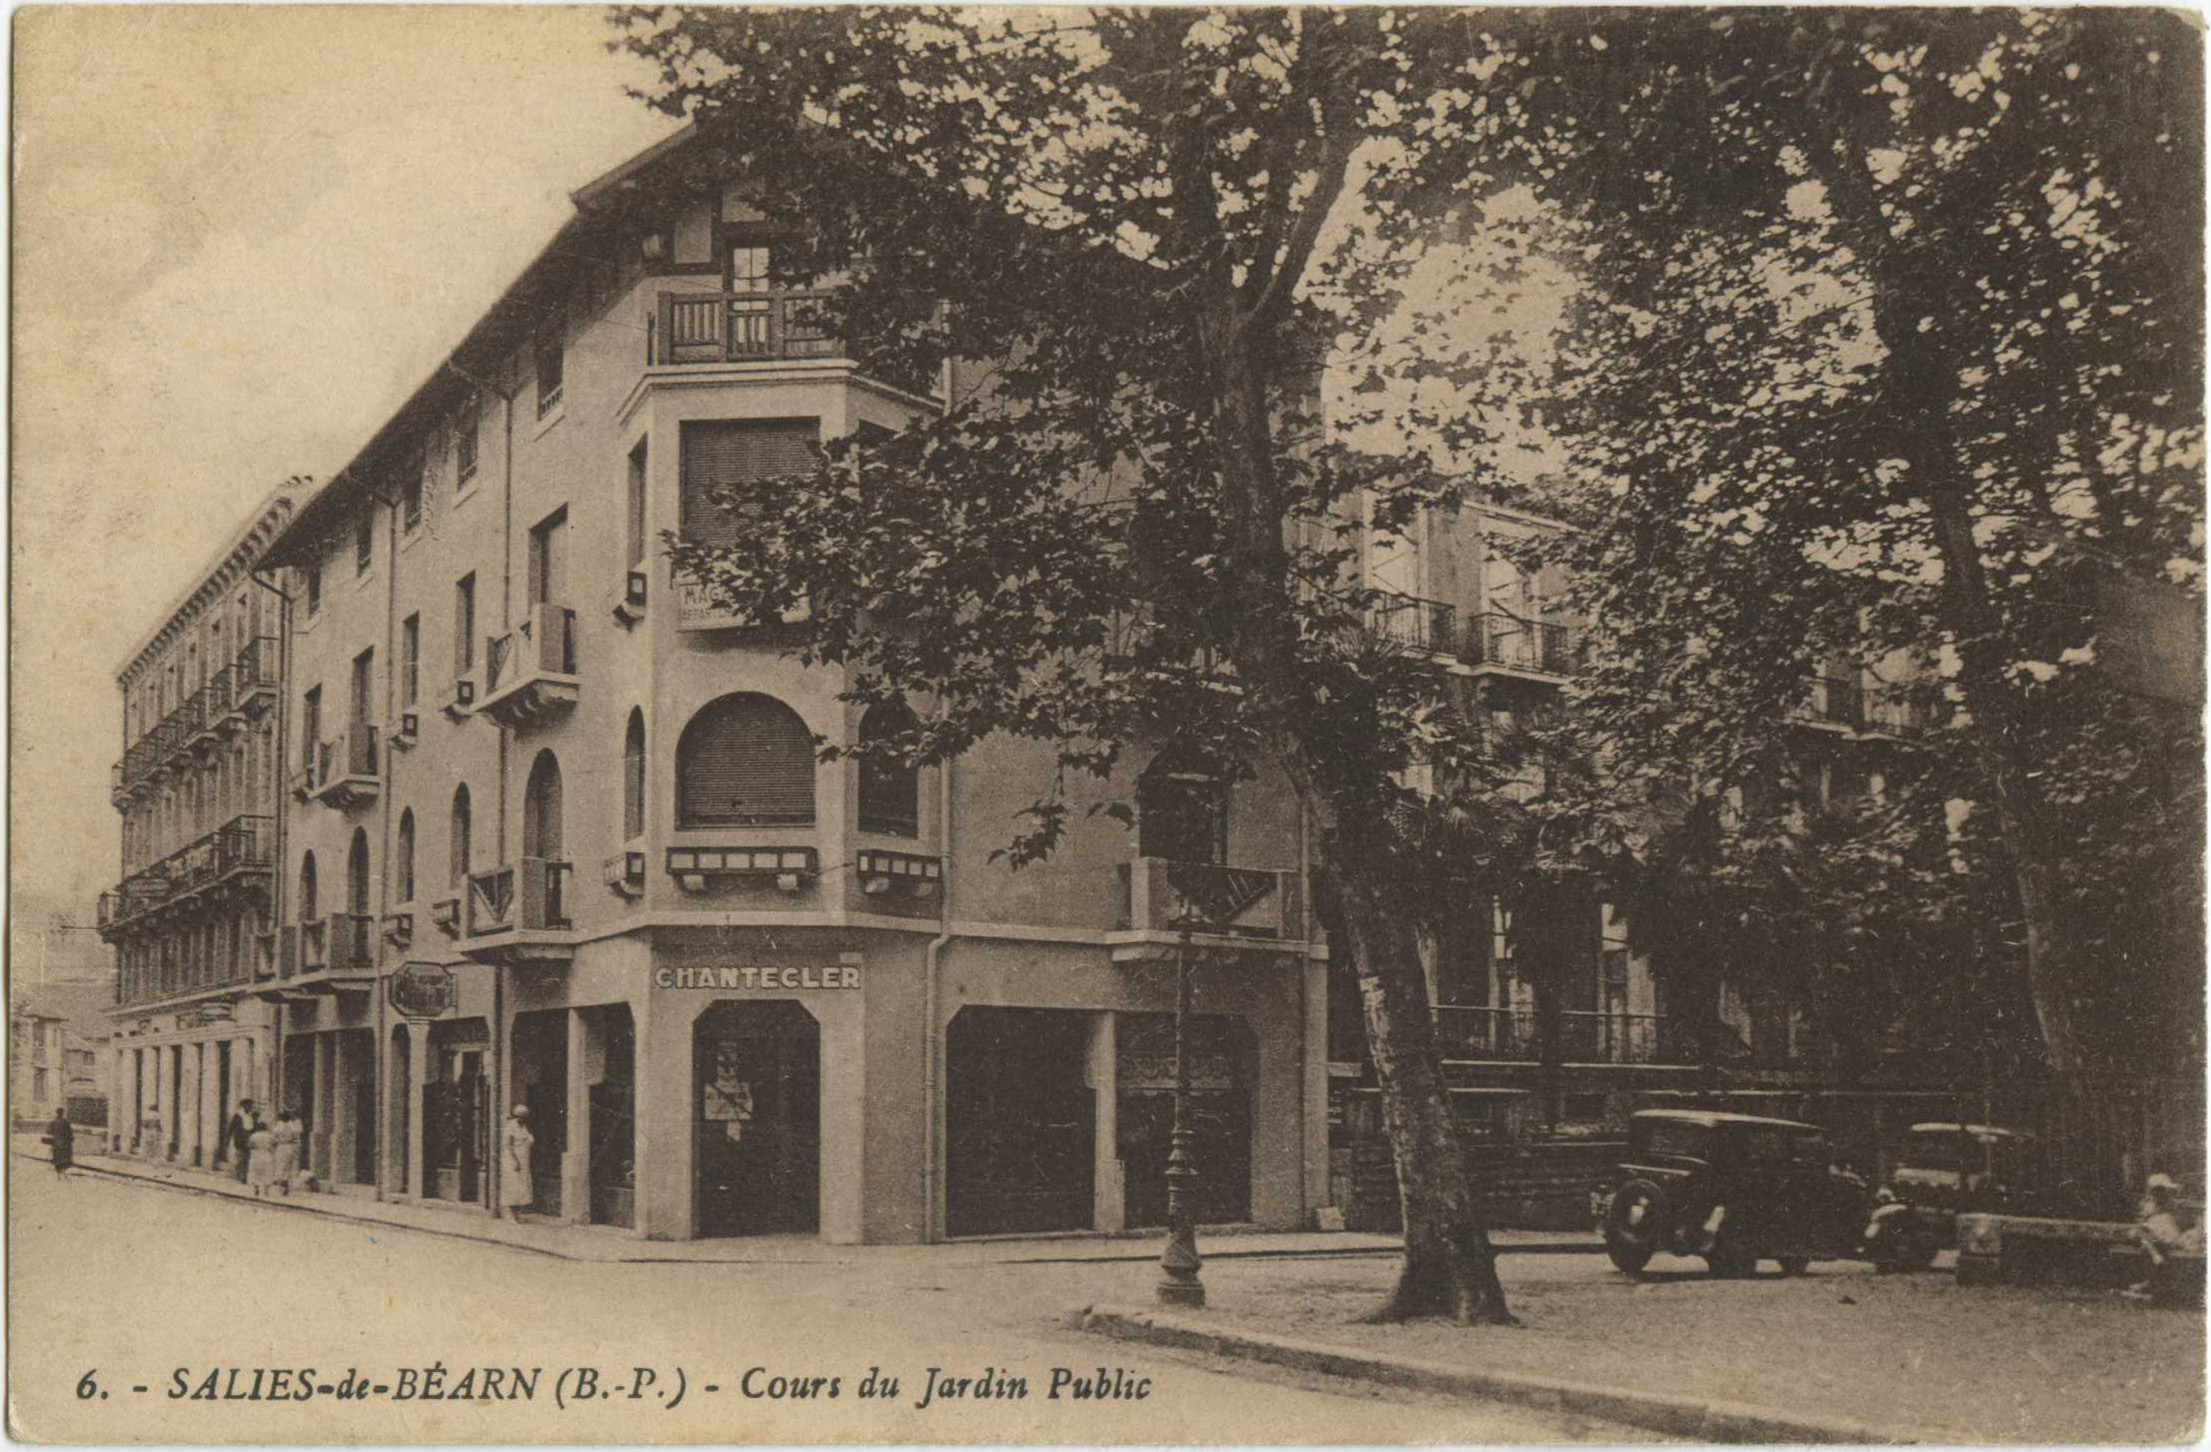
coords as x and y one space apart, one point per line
890 787
633 778
541 810
357 873
745 760
459 856
405 866
1181 810
307 887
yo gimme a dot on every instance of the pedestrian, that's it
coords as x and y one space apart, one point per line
2161 1229
62 1136
287 1135
516 1142
261 1150
238 1135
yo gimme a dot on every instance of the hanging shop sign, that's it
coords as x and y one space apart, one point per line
756 977
422 990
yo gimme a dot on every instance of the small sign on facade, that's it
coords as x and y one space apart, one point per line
422 990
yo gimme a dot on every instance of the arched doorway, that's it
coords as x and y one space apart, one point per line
756 1102
541 810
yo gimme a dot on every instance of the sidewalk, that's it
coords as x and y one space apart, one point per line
611 1244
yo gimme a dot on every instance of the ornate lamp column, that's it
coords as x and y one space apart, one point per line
1178 1263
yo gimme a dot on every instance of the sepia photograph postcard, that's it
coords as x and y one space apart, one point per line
1168 725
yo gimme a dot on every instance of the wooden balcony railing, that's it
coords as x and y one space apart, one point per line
736 327
528 895
1553 647
1155 894
352 941
530 672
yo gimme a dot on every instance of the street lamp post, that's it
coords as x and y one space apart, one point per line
1178 1263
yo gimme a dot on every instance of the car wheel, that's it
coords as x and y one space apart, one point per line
1631 1226
1795 1265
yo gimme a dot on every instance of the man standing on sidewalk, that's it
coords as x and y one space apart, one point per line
238 1135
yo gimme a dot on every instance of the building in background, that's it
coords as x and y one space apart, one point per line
189 919
556 833
60 1051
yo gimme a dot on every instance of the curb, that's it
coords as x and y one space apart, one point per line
1697 1421
1133 1256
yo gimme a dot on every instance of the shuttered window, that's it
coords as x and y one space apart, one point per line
739 451
745 760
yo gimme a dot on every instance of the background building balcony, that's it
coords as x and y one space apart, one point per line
1538 647
530 672
1415 622
1834 700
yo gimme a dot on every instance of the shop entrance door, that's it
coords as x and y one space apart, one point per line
1020 1122
455 1109
756 1102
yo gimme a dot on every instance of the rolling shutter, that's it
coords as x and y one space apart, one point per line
745 760
739 451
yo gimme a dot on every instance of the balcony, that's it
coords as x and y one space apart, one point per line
345 769
1466 1031
211 710
314 945
350 939
1415 623
235 857
530 672
1223 905
1514 1034
1834 700
519 913
252 681
1550 649
1603 1037
738 327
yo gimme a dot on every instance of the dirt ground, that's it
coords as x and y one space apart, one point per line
1912 1352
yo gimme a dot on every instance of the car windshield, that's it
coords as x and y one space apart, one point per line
1674 1137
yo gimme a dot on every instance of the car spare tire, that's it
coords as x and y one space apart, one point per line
1632 1225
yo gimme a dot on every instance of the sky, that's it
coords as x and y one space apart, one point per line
242 236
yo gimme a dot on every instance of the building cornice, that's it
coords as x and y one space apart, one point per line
232 563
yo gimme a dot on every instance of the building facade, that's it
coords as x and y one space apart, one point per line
189 918
556 835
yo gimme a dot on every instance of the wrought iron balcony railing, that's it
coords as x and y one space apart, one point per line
1550 647
1410 620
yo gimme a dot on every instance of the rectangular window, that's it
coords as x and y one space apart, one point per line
410 660
548 559
364 543
410 496
465 428
364 683
722 452
551 364
464 625
636 516
314 589
310 727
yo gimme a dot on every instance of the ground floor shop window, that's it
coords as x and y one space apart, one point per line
456 1111
1020 1122
756 1106
1221 1063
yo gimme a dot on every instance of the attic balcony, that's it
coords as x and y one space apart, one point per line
1549 650
345 769
530 672
1227 907
738 327
520 912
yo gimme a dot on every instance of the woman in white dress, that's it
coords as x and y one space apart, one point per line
515 1144
261 1167
287 1134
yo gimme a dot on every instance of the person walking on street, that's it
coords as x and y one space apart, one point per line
516 1142
238 1135
287 1136
62 1136
261 1147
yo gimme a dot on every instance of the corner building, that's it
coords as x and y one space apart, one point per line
557 834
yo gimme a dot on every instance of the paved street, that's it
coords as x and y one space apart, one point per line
133 1282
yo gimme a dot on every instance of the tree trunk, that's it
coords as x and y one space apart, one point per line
1450 1268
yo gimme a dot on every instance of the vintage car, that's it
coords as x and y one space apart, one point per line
1944 1170
1733 1188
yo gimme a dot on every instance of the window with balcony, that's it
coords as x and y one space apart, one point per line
890 786
745 760
1181 810
307 903
467 424
310 728
551 352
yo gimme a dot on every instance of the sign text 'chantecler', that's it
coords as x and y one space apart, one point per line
826 975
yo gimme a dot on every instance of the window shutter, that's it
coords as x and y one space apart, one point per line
739 452
745 760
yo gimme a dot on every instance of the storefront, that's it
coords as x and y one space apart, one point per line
178 1077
